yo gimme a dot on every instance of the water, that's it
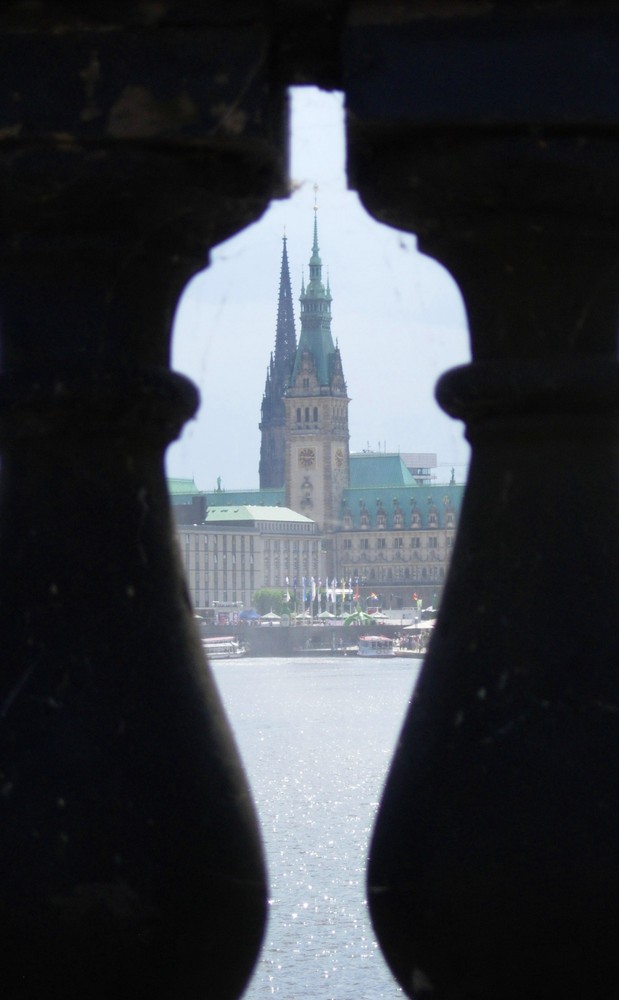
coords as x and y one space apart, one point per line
316 737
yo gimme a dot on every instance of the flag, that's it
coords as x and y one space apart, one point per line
313 589
304 595
287 597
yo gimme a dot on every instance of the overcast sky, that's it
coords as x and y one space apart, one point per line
397 316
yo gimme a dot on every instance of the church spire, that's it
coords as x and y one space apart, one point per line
315 264
271 468
315 299
285 336
315 251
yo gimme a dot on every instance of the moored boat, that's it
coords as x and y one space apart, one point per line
224 647
375 645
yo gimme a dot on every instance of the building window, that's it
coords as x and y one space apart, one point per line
364 543
348 543
381 543
398 543
415 543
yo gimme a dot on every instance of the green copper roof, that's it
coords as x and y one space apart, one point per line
390 500
250 512
270 497
379 470
180 486
315 334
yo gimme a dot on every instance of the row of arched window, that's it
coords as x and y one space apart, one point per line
380 520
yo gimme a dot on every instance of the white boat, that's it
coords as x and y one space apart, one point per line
375 645
223 647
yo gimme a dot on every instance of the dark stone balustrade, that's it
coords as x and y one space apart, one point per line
130 861
494 866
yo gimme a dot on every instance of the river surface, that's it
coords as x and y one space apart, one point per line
316 737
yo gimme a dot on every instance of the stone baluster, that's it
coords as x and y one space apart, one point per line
494 864
130 863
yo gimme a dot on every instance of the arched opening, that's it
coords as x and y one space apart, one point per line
399 323
398 318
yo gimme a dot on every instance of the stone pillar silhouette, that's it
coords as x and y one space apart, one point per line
130 863
494 864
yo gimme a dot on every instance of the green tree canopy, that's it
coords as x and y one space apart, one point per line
271 599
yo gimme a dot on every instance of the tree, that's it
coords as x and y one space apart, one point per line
271 599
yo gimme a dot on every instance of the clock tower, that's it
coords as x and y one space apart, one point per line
316 401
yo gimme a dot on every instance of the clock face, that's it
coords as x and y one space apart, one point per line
307 457
339 458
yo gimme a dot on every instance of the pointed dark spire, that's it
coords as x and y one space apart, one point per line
271 470
285 337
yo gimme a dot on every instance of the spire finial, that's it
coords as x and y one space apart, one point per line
315 246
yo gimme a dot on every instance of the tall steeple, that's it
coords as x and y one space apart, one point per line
315 302
273 413
317 455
